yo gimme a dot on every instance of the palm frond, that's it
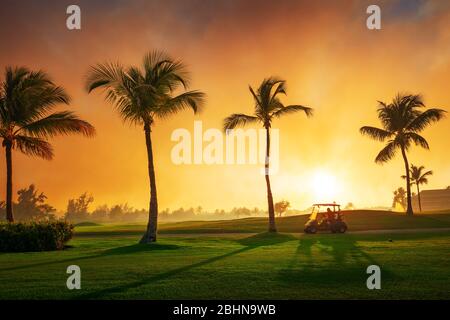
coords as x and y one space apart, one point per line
255 97
280 88
375 133
28 95
103 76
428 173
267 94
267 105
292 109
426 118
165 72
121 89
238 120
59 123
400 112
417 139
139 94
387 153
38 104
193 100
34 147
423 178
422 181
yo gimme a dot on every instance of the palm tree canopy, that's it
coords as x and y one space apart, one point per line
418 176
402 121
141 95
26 121
267 105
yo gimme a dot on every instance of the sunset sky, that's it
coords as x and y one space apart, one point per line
330 60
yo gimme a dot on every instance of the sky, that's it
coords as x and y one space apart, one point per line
331 61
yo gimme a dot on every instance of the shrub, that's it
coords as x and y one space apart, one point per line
34 236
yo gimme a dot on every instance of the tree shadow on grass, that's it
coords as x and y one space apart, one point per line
262 239
329 260
139 248
266 239
131 249
255 241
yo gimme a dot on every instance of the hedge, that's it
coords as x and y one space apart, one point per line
34 236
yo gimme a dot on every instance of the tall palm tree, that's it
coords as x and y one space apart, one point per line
418 177
267 107
402 121
26 121
142 96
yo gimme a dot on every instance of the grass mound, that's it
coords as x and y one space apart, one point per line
87 224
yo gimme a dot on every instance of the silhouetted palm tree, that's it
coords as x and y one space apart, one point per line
399 198
418 177
143 95
26 100
402 120
267 107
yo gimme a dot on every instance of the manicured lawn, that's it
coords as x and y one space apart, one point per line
357 220
235 266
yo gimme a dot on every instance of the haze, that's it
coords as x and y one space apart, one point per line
330 60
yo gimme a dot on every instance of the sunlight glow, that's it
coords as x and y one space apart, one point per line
325 186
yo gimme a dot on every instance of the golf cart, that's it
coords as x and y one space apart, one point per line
326 217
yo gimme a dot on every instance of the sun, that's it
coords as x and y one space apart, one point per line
324 186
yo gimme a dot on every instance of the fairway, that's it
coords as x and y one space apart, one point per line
233 266
358 220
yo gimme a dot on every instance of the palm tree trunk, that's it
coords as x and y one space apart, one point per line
9 210
272 226
150 235
409 210
418 196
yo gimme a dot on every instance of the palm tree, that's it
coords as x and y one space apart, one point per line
418 177
399 198
26 122
267 107
141 96
402 120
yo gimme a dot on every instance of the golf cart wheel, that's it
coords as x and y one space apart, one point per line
343 228
312 230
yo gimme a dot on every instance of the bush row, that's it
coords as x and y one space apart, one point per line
34 236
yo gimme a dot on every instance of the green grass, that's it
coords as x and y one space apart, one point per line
357 220
234 266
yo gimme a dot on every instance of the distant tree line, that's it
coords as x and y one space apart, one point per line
31 205
78 211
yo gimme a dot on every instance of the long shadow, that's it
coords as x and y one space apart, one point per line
131 249
259 240
329 259
266 239
256 240
138 248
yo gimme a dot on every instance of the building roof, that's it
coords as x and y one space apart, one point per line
440 192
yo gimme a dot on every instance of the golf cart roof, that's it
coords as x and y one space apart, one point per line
326 205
